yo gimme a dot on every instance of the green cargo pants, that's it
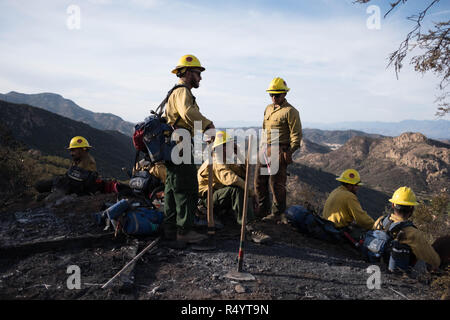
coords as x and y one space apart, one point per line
232 197
180 196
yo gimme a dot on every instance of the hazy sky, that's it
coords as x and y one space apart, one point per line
119 60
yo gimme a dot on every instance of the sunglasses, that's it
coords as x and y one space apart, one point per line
276 95
196 71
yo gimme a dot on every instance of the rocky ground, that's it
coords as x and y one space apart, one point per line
39 244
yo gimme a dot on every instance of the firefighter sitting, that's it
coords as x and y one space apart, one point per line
228 185
342 206
411 245
81 176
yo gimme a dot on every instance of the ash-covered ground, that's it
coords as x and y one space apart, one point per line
39 244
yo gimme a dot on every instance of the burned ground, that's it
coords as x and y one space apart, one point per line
38 245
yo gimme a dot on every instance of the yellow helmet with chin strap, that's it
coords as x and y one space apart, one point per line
188 61
404 196
278 85
79 142
350 176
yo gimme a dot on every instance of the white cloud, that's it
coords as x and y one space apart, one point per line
120 61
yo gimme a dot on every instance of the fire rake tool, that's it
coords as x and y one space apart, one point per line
239 274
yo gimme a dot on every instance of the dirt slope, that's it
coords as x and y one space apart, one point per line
38 245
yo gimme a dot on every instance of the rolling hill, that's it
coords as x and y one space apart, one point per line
69 109
387 163
50 133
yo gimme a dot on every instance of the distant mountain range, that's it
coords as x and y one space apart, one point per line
51 133
67 108
435 129
387 163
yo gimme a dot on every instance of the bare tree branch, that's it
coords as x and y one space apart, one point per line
435 43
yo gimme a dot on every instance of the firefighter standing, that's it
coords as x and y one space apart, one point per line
181 185
282 116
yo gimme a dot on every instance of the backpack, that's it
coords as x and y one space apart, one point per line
145 186
385 245
131 218
78 180
313 225
153 135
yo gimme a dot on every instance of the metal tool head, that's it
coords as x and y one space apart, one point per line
239 276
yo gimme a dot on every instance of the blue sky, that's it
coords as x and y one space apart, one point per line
119 61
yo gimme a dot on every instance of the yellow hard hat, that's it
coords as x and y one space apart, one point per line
350 176
188 61
278 85
404 196
78 142
221 138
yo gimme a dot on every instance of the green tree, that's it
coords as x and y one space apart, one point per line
434 46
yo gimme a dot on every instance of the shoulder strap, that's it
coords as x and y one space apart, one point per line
163 103
386 222
400 225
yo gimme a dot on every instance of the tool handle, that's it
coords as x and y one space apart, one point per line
210 205
244 211
151 245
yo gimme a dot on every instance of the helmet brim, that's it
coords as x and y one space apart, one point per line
175 71
87 147
277 91
403 203
346 181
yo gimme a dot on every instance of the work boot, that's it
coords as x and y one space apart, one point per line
170 238
191 236
272 218
256 235
169 232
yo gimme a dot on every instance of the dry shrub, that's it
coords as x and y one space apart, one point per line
299 193
433 218
20 169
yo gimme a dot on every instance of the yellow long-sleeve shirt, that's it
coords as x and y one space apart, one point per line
224 175
415 239
342 208
182 103
286 119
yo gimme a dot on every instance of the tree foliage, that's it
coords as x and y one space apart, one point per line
434 46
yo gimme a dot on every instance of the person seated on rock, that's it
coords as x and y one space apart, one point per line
342 206
412 246
81 176
229 184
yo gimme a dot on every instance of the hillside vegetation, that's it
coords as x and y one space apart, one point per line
50 133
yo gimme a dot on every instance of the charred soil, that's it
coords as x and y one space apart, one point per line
39 243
